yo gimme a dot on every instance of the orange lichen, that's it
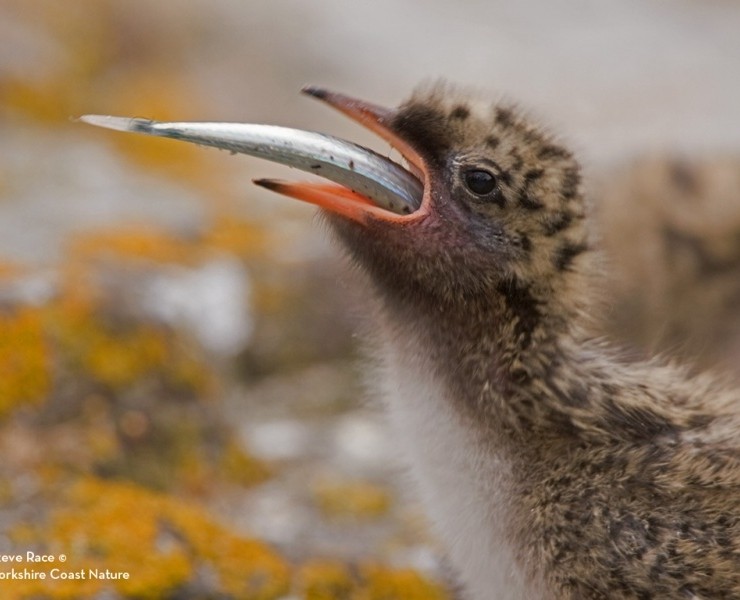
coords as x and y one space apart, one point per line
101 441
162 543
118 360
226 234
331 580
245 568
325 580
46 100
81 34
9 270
240 467
25 371
235 236
354 499
399 584
111 358
197 470
117 355
136 242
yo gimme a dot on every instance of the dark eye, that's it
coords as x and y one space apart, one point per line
480 182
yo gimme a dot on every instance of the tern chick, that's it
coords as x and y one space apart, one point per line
551 467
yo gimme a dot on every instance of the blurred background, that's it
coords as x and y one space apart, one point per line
181 394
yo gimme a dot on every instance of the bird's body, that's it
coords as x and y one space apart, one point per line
620 495
551 467
464 485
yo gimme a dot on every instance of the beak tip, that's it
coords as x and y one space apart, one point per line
269 184
315 91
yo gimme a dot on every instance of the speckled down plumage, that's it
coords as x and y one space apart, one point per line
552 467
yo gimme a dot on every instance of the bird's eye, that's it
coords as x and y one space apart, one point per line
480 182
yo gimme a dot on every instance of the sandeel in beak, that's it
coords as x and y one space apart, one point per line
362 172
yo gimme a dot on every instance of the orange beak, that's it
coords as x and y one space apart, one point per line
340 199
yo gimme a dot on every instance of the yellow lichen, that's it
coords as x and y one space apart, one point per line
9 270
71 337
325 580
82 35
354 499
134 242
398 584
331 580
245 568
45 100
235 236
25 374
227 234
238 466
117 355
101 441
161 542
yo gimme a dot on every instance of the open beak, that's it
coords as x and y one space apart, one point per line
364 185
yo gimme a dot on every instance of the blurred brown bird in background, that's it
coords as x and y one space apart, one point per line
670 229
551 466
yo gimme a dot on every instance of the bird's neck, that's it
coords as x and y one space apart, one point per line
520 369
491 351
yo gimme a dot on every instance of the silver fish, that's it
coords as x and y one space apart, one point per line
368 173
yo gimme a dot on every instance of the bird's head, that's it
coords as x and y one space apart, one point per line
490 205
502 210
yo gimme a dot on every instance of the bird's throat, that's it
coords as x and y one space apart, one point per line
486 353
